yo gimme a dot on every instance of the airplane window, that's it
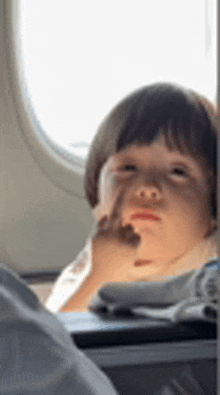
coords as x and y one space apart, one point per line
82 57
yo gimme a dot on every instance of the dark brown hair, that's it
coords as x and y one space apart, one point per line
184 117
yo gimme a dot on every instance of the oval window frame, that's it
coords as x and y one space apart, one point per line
64 169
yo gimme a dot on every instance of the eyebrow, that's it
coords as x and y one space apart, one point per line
179 157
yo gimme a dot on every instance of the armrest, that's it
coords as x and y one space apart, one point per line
90 330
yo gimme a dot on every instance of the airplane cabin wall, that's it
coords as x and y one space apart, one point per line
43 225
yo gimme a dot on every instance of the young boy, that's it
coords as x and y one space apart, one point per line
151 182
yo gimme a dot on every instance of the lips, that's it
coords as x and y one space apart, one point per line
142 262
145 216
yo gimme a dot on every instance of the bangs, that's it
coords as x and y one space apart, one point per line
183 122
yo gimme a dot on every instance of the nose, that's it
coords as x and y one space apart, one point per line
148 192
145 190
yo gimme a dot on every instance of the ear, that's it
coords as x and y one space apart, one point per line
213 223
213 226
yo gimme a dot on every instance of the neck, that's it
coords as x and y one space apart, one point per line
127 264
193 259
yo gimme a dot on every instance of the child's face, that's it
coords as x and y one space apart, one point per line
172 186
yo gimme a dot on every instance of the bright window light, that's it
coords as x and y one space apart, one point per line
81 57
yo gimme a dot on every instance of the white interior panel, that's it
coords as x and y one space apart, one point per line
44 218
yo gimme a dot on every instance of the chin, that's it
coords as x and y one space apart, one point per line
149 273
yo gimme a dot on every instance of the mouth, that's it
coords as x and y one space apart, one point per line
145 216
141 262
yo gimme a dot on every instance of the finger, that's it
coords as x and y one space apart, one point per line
100 211
103 224
99 227
115 217
129 236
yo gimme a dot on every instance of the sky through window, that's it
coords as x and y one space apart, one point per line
81 57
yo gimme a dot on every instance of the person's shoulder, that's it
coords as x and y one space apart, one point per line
50 361
6 271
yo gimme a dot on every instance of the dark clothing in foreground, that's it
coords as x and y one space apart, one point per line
38 356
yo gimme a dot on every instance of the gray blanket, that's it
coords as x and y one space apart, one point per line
190 297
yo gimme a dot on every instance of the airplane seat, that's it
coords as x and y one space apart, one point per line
146 356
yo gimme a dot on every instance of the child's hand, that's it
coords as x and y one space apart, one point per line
109 220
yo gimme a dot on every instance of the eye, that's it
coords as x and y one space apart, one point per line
179 172
129 168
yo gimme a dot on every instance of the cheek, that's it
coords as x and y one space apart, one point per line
191 199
